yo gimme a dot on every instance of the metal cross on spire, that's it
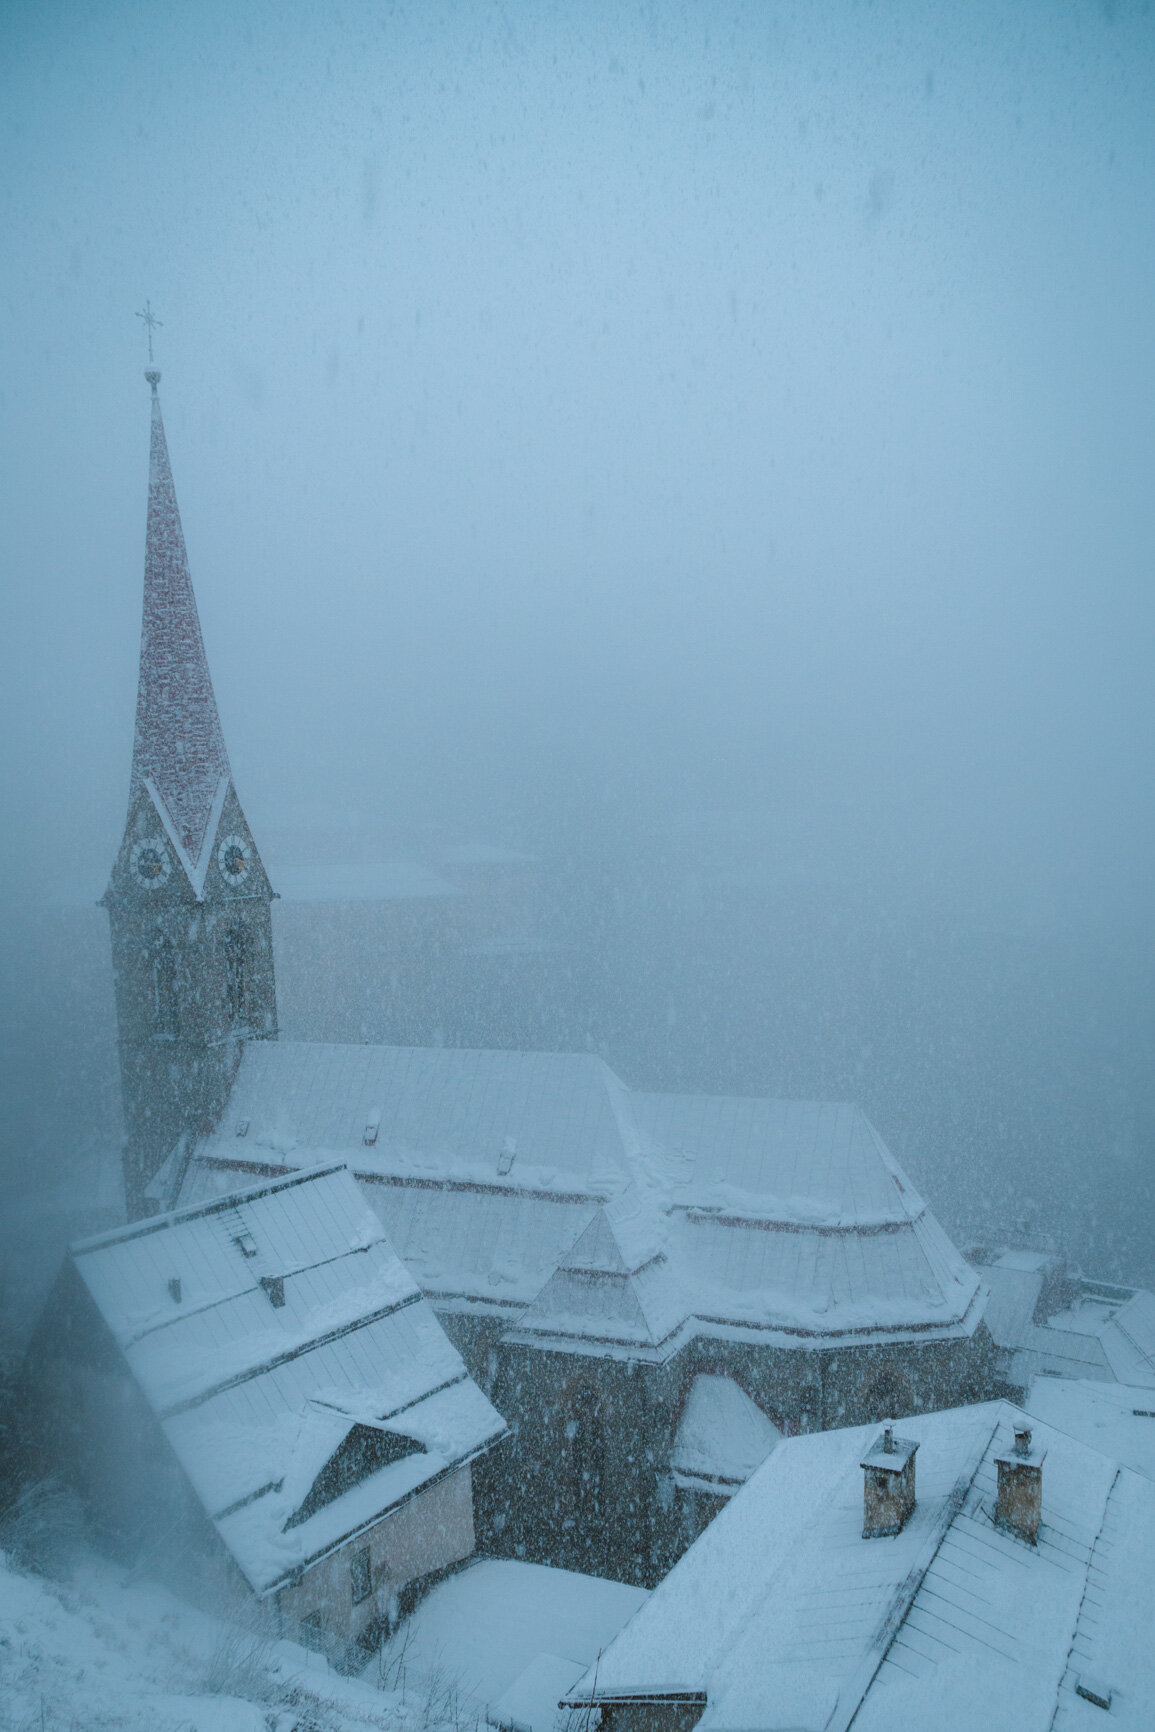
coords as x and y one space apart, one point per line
151 323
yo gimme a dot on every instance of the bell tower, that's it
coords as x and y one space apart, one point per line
188 900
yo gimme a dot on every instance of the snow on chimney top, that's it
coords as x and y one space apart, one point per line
1019 1509
888 1485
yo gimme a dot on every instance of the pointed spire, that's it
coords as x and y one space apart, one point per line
179 746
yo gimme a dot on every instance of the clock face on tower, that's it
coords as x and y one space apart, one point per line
150 862
234 859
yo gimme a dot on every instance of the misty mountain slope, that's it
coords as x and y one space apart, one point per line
100 1652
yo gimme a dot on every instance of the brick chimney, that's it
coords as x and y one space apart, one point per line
888 1485
1019 1508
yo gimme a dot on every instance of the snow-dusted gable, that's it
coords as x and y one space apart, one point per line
721 1438
782 1615
263 1330
776 1220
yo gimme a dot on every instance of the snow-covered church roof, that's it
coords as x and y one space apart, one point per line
179 750
537 1187
295 1367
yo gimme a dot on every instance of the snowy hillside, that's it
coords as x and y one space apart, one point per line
99 1652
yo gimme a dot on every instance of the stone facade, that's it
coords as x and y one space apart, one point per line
584 1482
194 978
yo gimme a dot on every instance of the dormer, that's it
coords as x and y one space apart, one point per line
364 1450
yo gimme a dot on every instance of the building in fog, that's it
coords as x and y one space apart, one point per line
1048 1320
256 1401
623 1272
1009 1587
188 899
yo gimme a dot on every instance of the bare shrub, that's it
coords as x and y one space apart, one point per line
41 1526
239 1665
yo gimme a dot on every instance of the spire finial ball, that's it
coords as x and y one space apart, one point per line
153 377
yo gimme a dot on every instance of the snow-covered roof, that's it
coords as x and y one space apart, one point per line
721 1438
1093 1329
775 1220
264 1327
512 1636
782 1616
179 750
1118 1418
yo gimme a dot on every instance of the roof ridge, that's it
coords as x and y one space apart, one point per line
209 1206
1096 1543
852 1695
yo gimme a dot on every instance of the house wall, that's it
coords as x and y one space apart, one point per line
650 1716
427 1534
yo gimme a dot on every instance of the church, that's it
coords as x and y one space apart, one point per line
651 1289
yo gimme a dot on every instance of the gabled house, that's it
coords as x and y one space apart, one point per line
959 1570
255 1399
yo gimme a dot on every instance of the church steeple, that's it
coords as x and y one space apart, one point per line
179 750
188 900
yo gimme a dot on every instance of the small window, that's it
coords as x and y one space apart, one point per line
361 1575
310 1629
274 1289
245 1244
165 1000
237 971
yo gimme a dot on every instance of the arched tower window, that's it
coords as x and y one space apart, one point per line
238 971
585 1435
164 987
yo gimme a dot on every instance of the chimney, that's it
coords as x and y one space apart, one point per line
888 1485
1020 1504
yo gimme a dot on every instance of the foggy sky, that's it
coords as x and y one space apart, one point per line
719 404
590 422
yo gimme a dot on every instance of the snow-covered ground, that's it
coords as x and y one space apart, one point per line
96 1652
504 1640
